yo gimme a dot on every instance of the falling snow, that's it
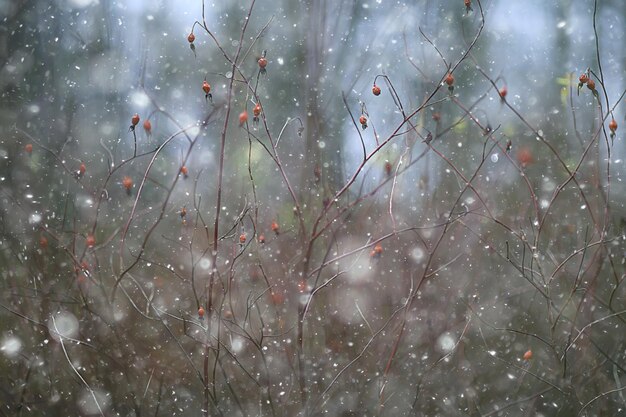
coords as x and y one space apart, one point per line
312 209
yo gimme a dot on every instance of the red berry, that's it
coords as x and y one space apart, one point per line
376 90
528 355
242 238
127 182
28 148
191 37
503 92
278 298
388 167
201 313
317 172
90 241
135 119
524 156
243 118
147 126
206 87
82 169
82 272
275 227
583 78
184 171
449 79
613 126
377 251
262 62
591 84
363 120
257 110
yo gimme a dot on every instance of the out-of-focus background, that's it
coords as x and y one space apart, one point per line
439 320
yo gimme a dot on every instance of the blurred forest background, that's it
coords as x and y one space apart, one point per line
404 292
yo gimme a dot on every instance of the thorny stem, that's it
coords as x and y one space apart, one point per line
218 204
358 170
593 252
161 214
